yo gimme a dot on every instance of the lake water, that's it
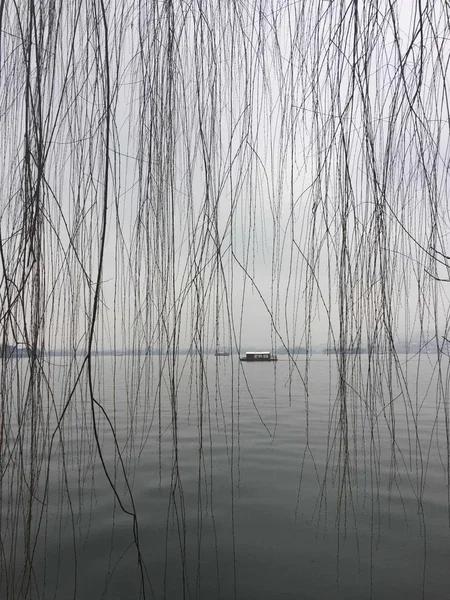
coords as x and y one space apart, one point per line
243 485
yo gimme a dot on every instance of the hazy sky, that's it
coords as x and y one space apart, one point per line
261 171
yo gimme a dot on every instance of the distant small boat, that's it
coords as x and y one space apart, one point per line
222 353
259 356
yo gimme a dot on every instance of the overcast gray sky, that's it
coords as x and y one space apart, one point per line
270 170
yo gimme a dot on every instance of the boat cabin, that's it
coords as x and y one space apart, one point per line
259 356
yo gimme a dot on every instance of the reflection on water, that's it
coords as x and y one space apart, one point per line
267 492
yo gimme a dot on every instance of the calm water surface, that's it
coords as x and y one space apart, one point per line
267 493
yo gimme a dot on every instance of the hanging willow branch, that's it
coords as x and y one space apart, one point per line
183 176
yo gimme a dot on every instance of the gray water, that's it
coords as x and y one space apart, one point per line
270 499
